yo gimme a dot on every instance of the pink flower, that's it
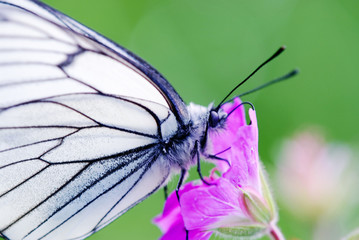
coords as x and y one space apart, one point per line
243 142
237 204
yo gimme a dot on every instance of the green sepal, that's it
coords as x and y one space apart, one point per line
258 210
242 232
266 191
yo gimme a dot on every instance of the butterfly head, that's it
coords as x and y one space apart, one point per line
208 118
204 120
216 118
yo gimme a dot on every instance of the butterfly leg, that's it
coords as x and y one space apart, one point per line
179 184
165 190
215 157
197 153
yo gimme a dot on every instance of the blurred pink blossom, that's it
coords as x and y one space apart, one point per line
317 182
313 175
238 204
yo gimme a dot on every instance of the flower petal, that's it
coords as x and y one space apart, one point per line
171 222
207 207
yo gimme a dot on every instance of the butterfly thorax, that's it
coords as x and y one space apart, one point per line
182 148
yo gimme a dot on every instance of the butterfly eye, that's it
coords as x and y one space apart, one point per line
213 119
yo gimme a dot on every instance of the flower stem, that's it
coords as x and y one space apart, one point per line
275 233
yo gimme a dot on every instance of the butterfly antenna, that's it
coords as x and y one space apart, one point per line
276 54
284 77
234 109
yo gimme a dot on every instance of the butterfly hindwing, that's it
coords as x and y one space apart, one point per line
77 169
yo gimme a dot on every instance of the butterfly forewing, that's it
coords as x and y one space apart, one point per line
69 57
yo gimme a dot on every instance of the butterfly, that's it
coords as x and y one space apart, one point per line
87 129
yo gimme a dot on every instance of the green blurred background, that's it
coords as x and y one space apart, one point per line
205 47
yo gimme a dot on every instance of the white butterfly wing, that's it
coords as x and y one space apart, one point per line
80 127
45 51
